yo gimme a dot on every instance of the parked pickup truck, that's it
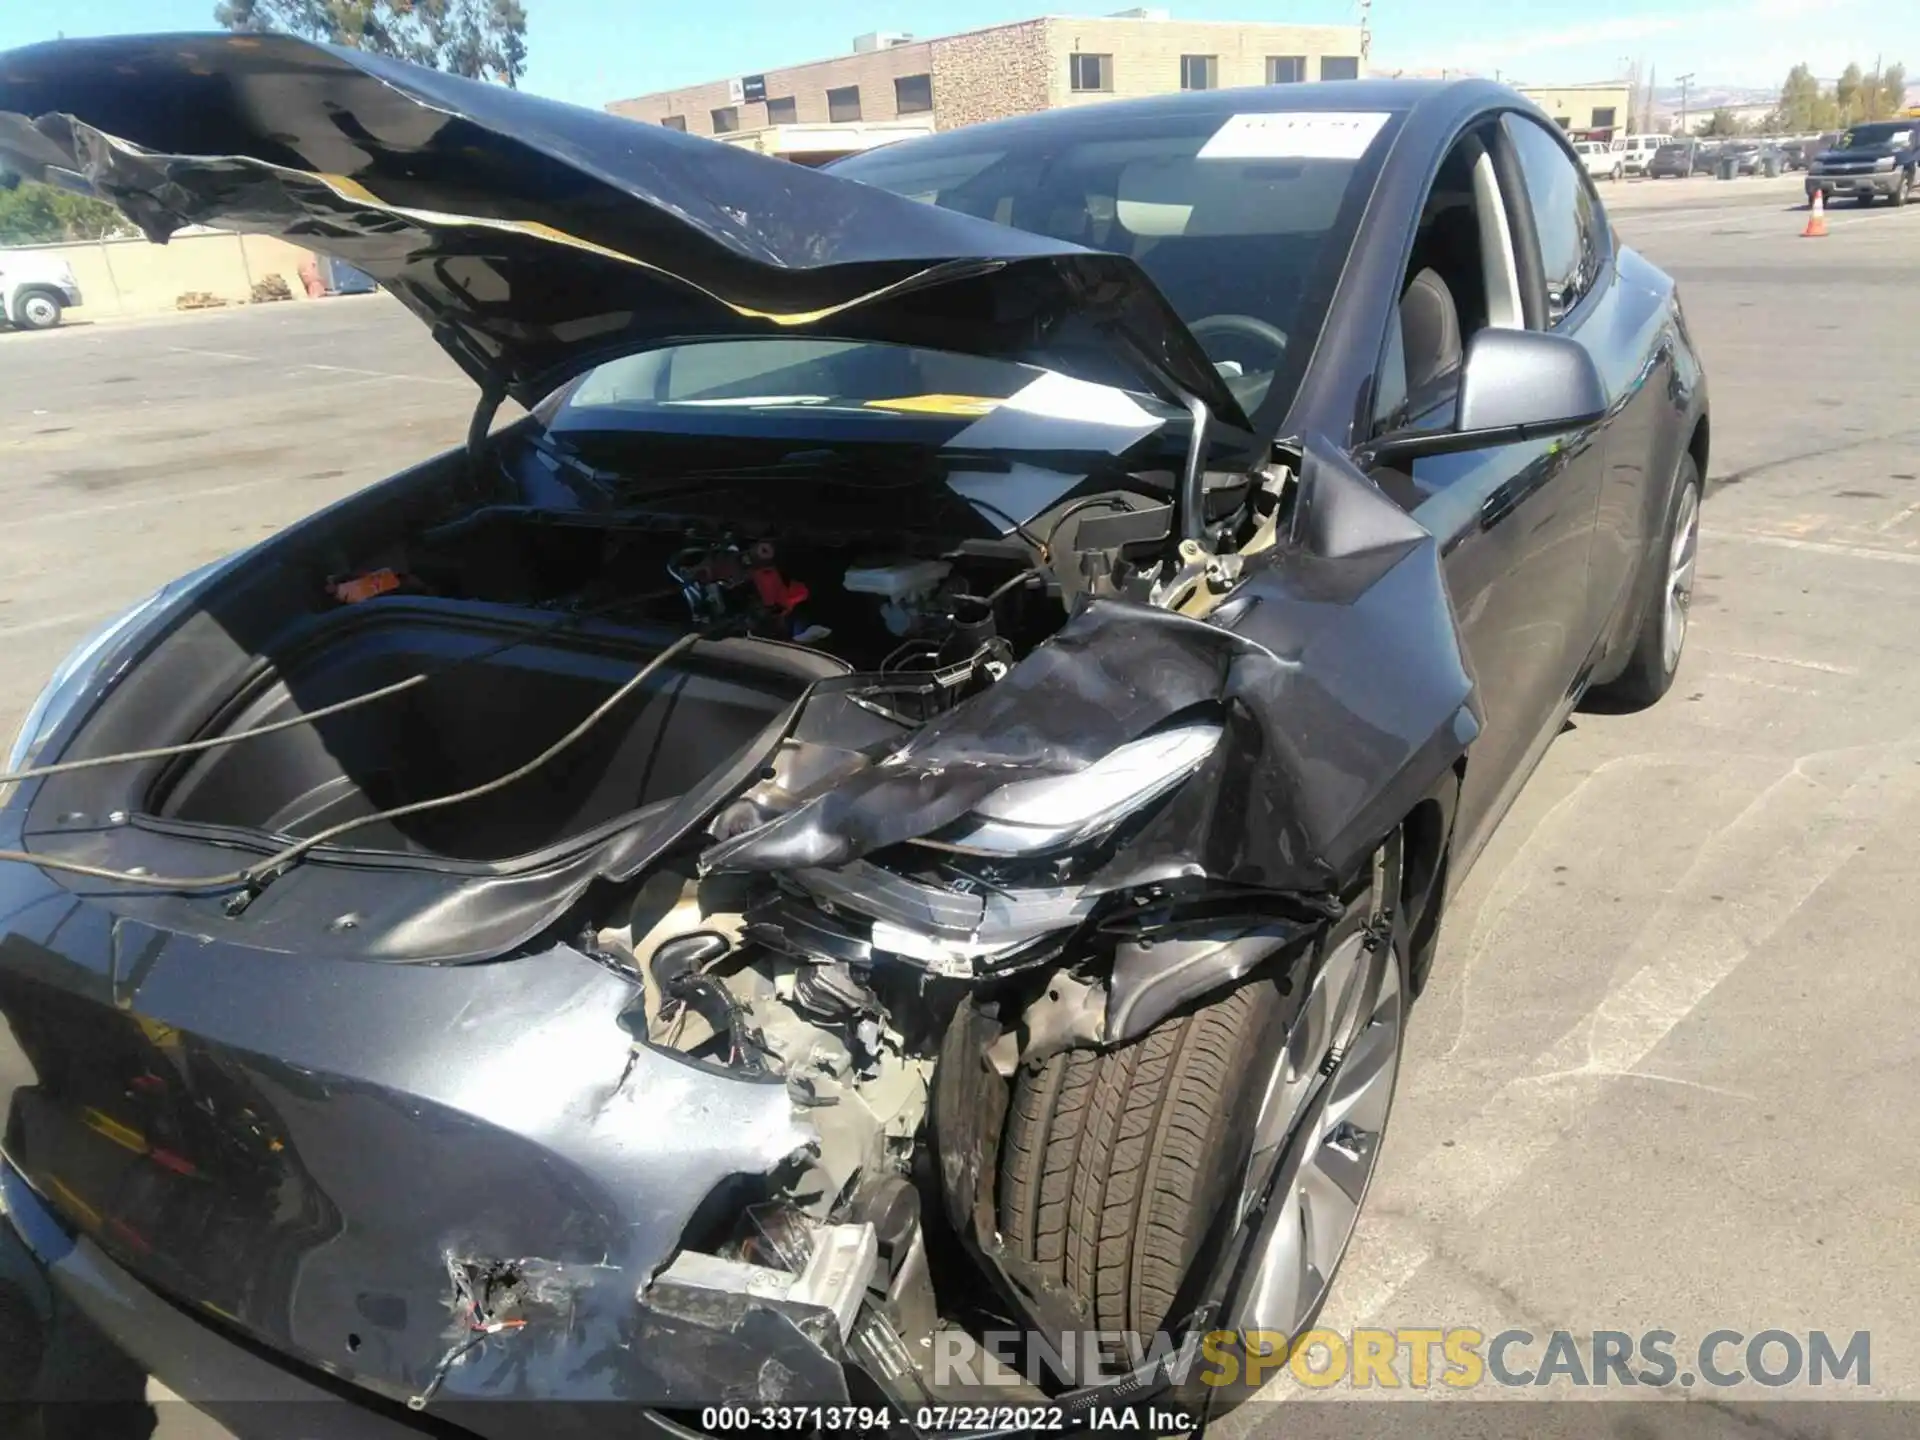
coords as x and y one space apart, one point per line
35 289
1869 161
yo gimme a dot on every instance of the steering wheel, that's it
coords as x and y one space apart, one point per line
1245 327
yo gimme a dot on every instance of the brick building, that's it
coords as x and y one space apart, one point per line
891 86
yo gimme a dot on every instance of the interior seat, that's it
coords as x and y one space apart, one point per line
1430 329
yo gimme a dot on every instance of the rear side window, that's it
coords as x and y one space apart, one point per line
1565 217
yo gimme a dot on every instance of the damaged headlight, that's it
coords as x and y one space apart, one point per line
1039 817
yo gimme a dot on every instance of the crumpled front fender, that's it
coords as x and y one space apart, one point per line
1335 668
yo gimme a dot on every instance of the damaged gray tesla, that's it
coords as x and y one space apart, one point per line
904 802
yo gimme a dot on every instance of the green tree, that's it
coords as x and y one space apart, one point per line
1801 100
36 214
481 39
1892 96
1721 122
1848 96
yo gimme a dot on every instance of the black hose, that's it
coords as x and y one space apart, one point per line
255 877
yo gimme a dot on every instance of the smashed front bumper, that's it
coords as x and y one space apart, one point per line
432 1185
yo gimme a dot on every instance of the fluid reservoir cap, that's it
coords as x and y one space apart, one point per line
898 580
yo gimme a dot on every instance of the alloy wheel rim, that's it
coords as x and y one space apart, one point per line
1326 1112
1680 570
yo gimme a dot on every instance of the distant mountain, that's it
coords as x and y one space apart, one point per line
1710 96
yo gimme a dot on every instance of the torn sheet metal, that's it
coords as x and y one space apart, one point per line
536 237
1335 668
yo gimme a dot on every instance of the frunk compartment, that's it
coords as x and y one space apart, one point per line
477 721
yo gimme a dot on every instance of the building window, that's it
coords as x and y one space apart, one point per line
1339 67
1565 122
782 110
1603 117
675 122
1286 69
726 120
1088 73
913 94
1199 72
843 105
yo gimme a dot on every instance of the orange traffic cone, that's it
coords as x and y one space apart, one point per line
1817 219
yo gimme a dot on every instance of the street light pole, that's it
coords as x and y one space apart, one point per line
1685 80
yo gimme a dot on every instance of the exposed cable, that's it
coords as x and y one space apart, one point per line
195 747
255 877
1018 528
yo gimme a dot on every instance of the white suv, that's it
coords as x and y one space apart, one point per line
1634 151
1602 162
35 289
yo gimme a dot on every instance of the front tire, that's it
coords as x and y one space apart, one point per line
1117 1163
1618 173
37 310
1667 600
1902 189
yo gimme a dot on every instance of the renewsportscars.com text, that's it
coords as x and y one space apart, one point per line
1458 1358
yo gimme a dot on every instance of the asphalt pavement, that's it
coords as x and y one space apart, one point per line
1663 1076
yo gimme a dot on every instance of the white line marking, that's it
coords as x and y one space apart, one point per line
387 375
1772 858
1818 547
1762 684
55 622
215 354
168 498
1906 514
1822 666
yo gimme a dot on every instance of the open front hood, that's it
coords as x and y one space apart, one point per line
536 238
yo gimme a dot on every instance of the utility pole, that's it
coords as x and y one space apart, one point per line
1366 32
1684 81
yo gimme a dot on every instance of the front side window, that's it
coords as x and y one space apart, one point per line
1565 217
1339 67
1089 73
1199 72
1286 69
843 105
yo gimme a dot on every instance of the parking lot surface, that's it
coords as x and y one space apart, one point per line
1663 1075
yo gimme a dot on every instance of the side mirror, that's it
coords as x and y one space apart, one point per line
1515 385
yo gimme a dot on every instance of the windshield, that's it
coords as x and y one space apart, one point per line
1863 135
1243 222
779 374
1243 234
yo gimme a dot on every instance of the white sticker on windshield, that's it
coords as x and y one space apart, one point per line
1294 135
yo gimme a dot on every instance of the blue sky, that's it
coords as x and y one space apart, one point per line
590 51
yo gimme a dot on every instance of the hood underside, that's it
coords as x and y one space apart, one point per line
537 238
